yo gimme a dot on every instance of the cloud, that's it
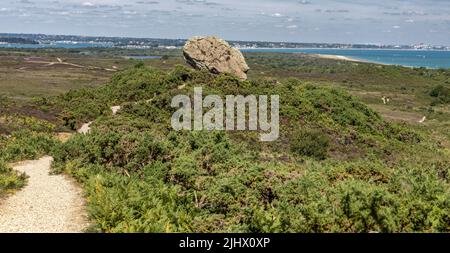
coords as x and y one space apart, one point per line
88 4
197 2
25 2
236 19
304 2
147 2
337 11
406 13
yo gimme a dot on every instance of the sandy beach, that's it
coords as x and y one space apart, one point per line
337 57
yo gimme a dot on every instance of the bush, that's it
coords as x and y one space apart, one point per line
441 94
310 143
25 145
9 180
141 176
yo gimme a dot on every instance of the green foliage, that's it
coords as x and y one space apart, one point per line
140 176
25 145
310 143
441 94
17 122
31 138
9 180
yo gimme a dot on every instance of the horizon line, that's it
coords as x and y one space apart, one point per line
232 40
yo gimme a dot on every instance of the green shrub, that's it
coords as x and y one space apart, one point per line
25 145
310 143
9 179
441 94
141 176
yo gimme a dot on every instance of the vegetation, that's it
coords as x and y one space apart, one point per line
441 95
24 138
9 180
338 166
140 176
310 143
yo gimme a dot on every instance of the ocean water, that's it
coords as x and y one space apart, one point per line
410 58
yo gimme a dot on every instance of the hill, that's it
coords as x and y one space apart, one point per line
337 167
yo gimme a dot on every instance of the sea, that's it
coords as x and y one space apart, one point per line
410 58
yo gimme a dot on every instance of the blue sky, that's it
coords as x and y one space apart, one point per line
342 21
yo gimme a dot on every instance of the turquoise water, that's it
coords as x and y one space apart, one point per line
411 58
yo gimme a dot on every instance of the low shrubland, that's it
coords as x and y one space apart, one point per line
337 166
30 139
441 95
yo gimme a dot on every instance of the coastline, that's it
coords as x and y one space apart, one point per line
338 57
346 58
331 48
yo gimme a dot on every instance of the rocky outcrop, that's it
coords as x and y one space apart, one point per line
215 55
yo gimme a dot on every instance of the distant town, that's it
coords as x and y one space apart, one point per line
150 43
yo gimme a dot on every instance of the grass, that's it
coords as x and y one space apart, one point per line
22 77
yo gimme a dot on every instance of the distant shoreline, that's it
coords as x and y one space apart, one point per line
331 48
346 58
338 57
430 59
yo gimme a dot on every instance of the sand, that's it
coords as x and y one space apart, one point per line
47 204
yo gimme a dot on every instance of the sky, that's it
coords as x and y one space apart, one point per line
329 21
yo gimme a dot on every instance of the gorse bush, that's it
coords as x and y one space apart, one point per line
9 180
25 144
141 176
30 139
310 143
441 95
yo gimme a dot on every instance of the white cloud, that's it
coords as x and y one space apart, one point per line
88 4
369 21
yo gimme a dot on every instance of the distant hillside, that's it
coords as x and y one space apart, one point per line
160 42
15 40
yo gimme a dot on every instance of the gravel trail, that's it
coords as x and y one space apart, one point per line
85 128
47 204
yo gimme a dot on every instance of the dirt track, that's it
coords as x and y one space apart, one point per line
47 204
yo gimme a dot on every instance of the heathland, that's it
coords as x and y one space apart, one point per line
362 147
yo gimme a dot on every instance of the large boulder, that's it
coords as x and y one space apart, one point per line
215 55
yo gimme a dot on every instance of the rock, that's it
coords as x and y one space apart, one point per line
215 55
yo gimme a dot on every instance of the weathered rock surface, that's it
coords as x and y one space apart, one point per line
215 55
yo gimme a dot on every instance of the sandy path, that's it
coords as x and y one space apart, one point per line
59 61
115 109
85 128
47 204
